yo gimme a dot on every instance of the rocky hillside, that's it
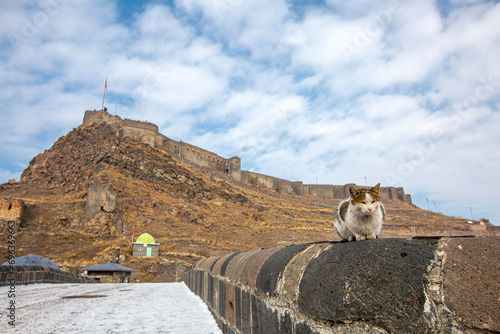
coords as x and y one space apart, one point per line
85 196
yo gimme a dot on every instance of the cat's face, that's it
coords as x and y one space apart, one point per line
365 200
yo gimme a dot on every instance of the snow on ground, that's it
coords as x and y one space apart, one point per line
125 308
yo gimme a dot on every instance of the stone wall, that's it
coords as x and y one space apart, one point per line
19 275
444 285
100 116
11 209
144 131
265 181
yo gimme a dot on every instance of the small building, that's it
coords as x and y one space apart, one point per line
33 260
109 273
145 246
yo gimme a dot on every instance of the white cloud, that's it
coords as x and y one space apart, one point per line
245 26
340 91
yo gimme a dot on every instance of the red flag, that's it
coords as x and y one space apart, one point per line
133 230
106 85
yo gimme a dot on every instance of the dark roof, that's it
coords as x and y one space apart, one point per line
108 267
34 260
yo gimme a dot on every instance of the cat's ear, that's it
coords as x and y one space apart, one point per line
375 189
353 191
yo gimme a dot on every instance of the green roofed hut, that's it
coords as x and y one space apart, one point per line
145 245
109 273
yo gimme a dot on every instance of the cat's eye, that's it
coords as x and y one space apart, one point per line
363 202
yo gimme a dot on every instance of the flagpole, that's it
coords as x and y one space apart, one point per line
104 92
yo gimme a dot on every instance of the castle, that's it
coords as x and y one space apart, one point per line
228 169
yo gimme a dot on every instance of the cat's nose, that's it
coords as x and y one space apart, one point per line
370 209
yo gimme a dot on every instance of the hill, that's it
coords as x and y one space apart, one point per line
82 198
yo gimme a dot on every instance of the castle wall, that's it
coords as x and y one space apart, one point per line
298 188
215 165
147 127
144 131
196 155
321 190
100 116
203 158
234 168
270 182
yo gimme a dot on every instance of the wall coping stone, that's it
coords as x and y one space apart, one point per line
431 285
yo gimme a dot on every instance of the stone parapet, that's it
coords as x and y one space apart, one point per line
439 285
20 275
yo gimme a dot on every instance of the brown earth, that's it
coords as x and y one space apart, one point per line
190 214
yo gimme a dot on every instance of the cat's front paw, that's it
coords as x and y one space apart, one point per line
371 236
360 237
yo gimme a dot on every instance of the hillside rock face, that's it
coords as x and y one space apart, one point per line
99 198
72 160
87 155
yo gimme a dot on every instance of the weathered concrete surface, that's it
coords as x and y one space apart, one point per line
288 288
442 286
268 276
379 281
251 269
472 281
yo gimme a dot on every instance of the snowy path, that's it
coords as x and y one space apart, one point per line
125 308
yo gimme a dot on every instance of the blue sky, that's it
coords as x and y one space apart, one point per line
405 93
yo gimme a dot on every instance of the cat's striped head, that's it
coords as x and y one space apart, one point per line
365 200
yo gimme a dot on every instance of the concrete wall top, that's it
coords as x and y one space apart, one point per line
396 285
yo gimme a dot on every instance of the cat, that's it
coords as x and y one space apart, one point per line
361 216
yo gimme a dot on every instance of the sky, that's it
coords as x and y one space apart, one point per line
405 93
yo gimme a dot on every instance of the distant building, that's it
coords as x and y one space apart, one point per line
109 273
145 246
33 260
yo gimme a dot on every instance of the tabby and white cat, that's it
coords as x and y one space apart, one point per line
361 216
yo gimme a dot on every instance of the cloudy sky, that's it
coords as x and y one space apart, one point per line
405 93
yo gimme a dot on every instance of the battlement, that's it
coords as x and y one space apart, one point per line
100 116
227 168
140 125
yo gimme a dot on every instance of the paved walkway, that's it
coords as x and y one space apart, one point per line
107 308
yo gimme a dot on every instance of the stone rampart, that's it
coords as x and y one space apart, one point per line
435 285
100 116
270 182
20 275
213 164
144 131
146 126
